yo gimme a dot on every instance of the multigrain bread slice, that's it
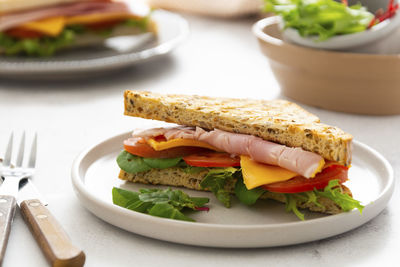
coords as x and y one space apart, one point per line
279 121
177 177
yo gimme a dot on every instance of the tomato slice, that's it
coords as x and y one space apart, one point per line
301 184
104 25
212 159
23 34
142 149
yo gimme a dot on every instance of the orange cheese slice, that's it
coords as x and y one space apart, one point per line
178 142
256 174
55 25
50 27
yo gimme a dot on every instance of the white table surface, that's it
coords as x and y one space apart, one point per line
220 58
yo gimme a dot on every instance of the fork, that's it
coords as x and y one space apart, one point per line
9 189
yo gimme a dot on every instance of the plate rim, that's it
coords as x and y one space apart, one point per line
95 64
81 191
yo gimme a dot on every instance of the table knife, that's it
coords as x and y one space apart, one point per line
52 239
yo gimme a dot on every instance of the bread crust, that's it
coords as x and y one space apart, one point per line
279 121
177 177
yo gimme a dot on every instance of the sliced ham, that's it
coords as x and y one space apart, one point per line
12 20
297 160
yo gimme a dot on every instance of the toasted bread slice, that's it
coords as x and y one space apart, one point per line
177 177
279 121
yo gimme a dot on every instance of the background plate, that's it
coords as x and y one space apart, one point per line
266 224
117 53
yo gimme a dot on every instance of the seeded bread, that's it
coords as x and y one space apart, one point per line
279 121
177 177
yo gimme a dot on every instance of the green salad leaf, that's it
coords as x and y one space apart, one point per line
216 179
46 46
165 203
291 205
334 192
131 163
134 164
248 197
321 18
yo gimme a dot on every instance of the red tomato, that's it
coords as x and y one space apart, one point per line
212 159
144 150
301 184
23 34
104 24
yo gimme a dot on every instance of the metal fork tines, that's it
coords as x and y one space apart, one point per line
12 176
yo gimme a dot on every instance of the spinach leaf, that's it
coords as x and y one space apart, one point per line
161 163
134 164
131 163
166 210
248 197
157 202
216 179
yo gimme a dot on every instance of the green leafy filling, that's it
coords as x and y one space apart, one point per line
165 203
216 181
134 164
47 46
322 18
332 191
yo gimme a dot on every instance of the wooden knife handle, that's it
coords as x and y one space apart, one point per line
7 210
52 239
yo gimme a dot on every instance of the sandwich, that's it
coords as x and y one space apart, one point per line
43 27
254 149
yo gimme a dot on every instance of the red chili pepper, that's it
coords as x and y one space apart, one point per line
344 2
381 16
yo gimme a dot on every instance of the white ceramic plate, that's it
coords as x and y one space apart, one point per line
94 173
116 53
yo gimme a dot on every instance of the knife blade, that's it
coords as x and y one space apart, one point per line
51 237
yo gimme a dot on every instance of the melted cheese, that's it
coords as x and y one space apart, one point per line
178 142
55 25
51 27
256 174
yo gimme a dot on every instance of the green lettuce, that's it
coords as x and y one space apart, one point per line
134 164
248 197
332 191
321 18
216 180
157 202
46 46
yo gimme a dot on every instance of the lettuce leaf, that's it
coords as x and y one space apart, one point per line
216 179
334 192
247 197
321 18
134 164
46 46
157 202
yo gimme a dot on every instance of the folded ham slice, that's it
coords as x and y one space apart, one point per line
8 21
296 159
